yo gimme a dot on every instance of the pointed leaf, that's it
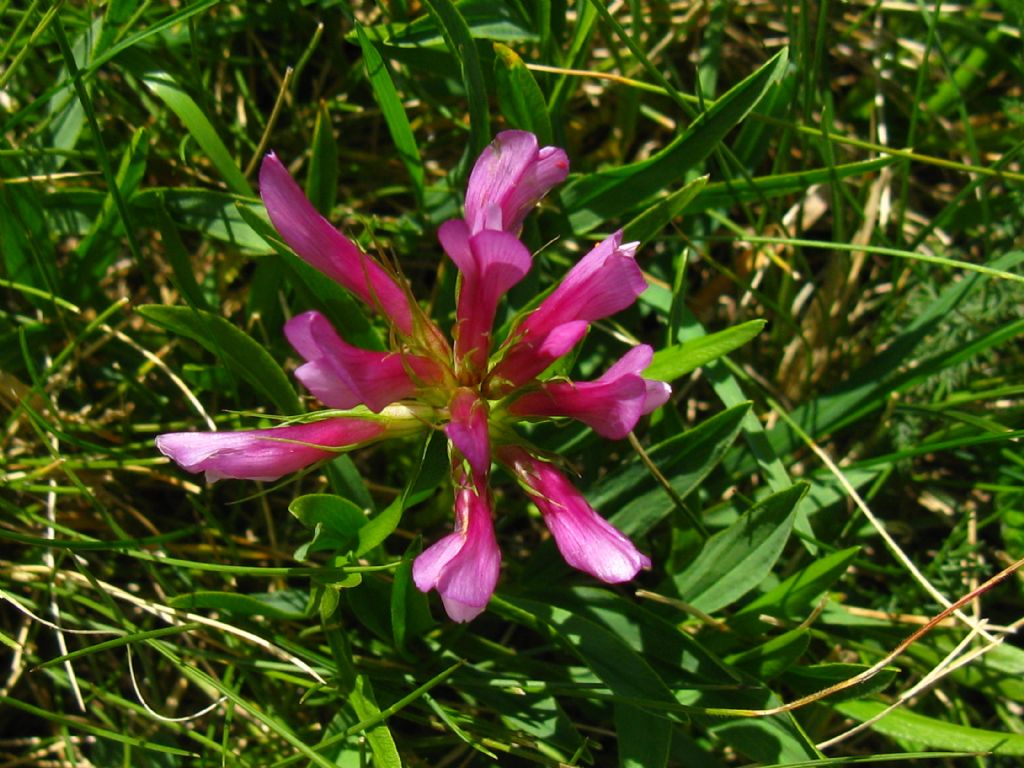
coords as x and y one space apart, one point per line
606 195
736 560
675 361
234 347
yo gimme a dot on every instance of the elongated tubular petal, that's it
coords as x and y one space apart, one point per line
343 376
318 243
634 362
610 405
528 357
509 179
605 281
463 566
265 454
490 263
586 540
602 283
611 409
468 430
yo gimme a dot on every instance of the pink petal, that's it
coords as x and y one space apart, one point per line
525 358
509 179
463 566
605 281
265 454
610 405
610 408
658 393
468 430
490 263
586 540
317 242
343 376
635 362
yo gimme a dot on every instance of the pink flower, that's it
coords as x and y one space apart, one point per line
605 281
463 566
343 376
424 383
266 454
317 242
586 540
610 405
509 179
489 263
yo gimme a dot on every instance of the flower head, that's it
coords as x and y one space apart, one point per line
475 394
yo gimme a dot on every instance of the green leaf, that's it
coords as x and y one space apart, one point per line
287 605
410 612
644 741
697 451
27 254
606 195
870 387
927 731
181 265
796 596
164 86
675 361
235 349
652 221
724 194
129 175
658 640
213 214
394 113
817 677
736 560
335 522
484 19
460 42
432 469
358 693
322 179
519 96
766 740
773 657
617 665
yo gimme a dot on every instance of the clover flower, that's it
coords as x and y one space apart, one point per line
475 393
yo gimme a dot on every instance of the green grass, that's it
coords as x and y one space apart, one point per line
828 499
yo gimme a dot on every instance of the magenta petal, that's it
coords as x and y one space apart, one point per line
454 238
602 283
343 376
635 362
509 179
490 263
526 358
264 454
611 408
610 405
586 540
468 430
318 243
658 393
463 566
